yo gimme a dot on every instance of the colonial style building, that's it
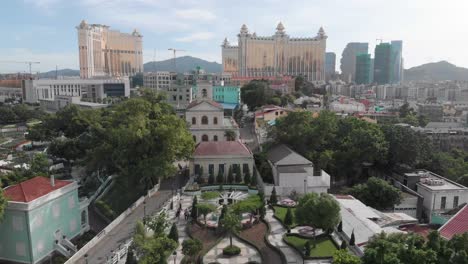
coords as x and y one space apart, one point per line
41 217
277 55
217 157
207 121
105 52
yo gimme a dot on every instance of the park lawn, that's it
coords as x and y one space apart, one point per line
280 212
324 248
209 195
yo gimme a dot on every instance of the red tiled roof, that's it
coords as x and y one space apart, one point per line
32 189
196 102
458 224
219 148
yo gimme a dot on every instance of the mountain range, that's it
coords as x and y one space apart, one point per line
436 71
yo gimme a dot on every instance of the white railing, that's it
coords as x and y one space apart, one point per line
112 225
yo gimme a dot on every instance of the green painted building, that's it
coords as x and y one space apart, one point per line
226 94
363 64
383 63
41 217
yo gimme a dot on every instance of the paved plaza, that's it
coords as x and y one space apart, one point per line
248 253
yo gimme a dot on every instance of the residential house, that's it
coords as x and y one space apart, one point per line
41 217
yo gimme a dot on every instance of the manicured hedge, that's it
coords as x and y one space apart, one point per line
231 250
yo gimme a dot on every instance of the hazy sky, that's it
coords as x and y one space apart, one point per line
44 30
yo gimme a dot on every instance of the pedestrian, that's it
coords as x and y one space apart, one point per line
186 214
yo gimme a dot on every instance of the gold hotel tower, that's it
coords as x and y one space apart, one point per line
277 55
110 53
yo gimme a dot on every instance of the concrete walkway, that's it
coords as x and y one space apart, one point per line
248 253
181 224
276 238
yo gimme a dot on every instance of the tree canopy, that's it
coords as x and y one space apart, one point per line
343 257
413 249
377 193
321 211
138 140
340 145
3 202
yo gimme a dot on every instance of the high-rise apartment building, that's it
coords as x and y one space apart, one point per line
383 63
330 64
277 55
348 60
105 52
363 64
397 61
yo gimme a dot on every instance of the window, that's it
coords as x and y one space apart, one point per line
455 202
195 138
197 169
204 138
211 169
215 120
221 168
204 120
204 93
194 121
443 199
215 138
276 113
245 167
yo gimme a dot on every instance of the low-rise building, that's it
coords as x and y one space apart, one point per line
207 121
457 225
212 158
293 172
41 217
94 90
446 135
365 222
61 101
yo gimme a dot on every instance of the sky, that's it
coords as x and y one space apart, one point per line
44 30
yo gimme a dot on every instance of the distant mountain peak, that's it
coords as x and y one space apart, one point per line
436 71
183 64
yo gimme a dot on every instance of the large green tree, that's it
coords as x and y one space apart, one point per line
204 209
191 247
343 257
377 193
320 211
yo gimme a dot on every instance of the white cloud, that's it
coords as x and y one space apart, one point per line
199 36
195 14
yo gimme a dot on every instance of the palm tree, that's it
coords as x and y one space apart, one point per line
232 224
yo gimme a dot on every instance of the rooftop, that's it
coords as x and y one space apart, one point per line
458 224
32 189
198 102
221 148
434 182
283 155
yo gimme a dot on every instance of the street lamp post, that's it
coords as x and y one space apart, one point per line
305 184
144 212
174 254
86 258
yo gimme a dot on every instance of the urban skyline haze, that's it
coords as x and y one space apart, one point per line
44 30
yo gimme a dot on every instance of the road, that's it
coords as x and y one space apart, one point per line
247 134
122 232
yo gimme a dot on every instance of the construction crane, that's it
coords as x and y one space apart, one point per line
26 62
174 51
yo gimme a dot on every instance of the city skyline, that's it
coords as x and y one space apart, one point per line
200 26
